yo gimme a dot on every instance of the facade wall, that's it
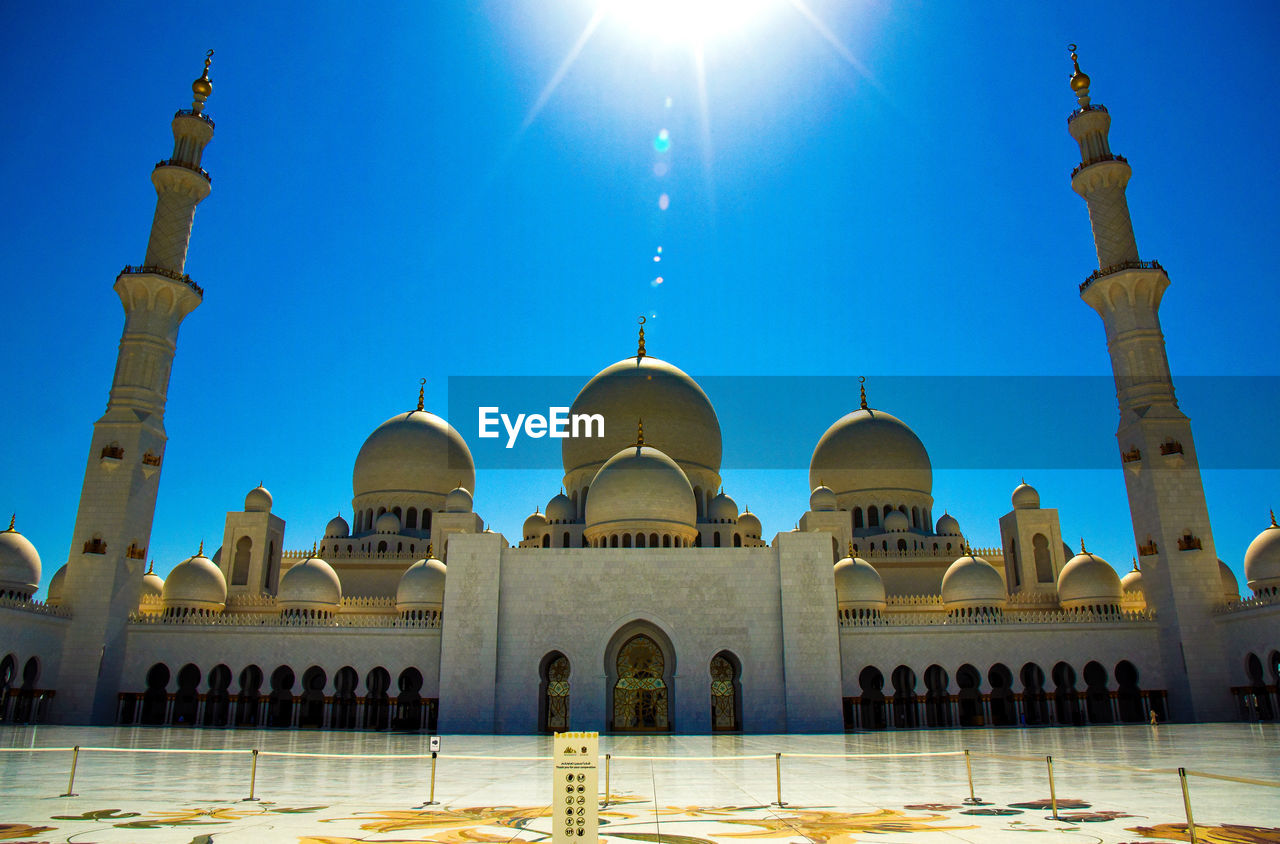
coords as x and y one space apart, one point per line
1255 631
24 635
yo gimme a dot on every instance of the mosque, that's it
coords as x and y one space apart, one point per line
677 613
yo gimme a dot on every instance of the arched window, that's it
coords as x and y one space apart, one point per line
1044 566
155 699
1013 570
626 540
411 518
240 568
697 497
666 540
565 543
902 544
381 511
426 518
725 708
546 540
269 571
915 517
857 517
640 693
555 692
653 540
737 540
873 516
399 514
715 539
382 547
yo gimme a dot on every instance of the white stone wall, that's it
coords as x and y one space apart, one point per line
1255 631
26 634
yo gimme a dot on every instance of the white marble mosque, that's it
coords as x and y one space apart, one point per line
873 613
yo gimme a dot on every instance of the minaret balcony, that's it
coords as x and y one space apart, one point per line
95 546
1091 107
1098 160
186 112
167 273
136 553
1133 455
1170 447
186 165
1120 267
1189 543
1148 550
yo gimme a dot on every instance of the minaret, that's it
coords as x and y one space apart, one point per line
118 498
1161 467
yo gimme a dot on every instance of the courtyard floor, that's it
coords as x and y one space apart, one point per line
679 797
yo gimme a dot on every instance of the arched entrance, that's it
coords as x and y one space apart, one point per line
726 701
641 702
555 692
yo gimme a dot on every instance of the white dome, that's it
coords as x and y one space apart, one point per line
152 585
560 509
822 499
55 586
388 522
858 585
535 525
749 525
1230 586
1025 497
1087 580
678 416
947 525
258 500
337 528
640 484
19 564
722 509
1131 582
458 500
415 452
1262 559
421 586
972 582
195 583
310 585
870 450
896 522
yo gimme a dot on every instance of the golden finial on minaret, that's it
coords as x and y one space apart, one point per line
1079 79
422 386
639 433
313 549
14 518
862 388
1273 521
429 547
202 87
200 551
851 549
1135 563
1082 551
640 352
151 567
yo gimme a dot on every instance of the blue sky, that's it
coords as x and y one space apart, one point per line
896 205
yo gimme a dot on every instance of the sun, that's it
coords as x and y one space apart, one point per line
688 21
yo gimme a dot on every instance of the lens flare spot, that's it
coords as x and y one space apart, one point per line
660 169
657 282
662 143
667 104
664 202
657 258
659 250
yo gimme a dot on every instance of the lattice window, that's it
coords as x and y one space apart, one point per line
640 695
723 703
558 694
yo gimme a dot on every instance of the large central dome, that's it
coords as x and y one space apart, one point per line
871 450
413 452
678 417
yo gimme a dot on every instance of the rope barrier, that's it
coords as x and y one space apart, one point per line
1245 780
865 755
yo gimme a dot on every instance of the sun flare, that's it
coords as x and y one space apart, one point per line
692 21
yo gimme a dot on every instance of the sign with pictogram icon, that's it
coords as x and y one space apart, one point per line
574 797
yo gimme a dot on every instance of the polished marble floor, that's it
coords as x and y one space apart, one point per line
681 797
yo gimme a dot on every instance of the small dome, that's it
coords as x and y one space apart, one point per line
722 509
413 453
337 528
1132 582
1086 581
896 522
1025 497
947 525
310 585
421 586
458 500
195 583
871 450
640 484
19 564
1262 559
972 582
1230 586
749 525
534 525
258 500
822 499
388 522
560 509
56 584
152 585
858 585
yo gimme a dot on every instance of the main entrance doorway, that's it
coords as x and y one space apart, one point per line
640 701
